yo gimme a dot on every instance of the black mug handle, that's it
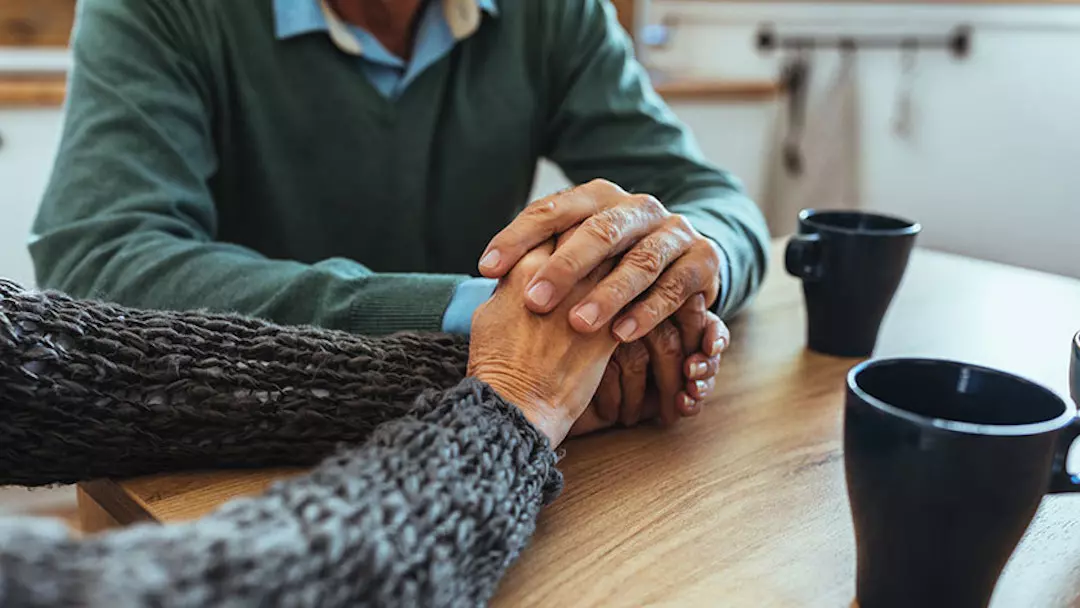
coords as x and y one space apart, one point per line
1062 481
803 256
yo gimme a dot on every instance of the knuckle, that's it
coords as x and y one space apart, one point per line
603 186
710 253
679 223
562 266
604 228
649 204
541 210
648 257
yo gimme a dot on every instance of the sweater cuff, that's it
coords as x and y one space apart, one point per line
512 428
741 268
403 302
724 294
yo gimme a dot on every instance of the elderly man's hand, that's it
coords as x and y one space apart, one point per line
664 260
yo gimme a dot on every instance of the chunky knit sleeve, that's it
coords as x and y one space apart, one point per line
430 511
90 389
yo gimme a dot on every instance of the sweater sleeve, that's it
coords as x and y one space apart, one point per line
608 122
91 389
430 511
128 214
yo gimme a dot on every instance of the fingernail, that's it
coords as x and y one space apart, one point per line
588 313
625 329
698 369
702 388
688 403
541 293
490 259
719 346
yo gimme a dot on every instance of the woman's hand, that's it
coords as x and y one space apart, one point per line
539 362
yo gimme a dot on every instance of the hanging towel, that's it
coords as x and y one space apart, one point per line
828 149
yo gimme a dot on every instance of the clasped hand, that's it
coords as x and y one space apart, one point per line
558 313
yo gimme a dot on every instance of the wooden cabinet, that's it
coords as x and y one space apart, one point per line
36 22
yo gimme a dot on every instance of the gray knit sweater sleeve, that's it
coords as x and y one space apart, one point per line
90 389
438 499
429 512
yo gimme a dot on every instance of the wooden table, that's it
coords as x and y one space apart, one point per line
745 505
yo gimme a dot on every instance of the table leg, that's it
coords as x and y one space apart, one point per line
93 518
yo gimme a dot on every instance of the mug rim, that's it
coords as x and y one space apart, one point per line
808 215
1074 369
1067 415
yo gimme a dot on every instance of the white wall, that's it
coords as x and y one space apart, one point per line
29 143
28 140
993 165
731 134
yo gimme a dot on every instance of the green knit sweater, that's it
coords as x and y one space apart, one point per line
206 164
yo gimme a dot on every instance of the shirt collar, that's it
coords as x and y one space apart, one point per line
298 17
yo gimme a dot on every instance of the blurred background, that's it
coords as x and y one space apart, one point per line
963 116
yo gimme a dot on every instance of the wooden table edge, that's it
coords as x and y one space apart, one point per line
104 505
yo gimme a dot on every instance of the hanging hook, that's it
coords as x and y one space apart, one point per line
961 41
903 118
909 50
796 79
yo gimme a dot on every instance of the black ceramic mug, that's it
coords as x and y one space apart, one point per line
851 263
946 465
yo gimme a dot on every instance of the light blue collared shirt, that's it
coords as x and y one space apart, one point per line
442 24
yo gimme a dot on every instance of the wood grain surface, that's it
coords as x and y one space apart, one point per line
745 505
48 89
32 90
36 22
712 89
29 23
